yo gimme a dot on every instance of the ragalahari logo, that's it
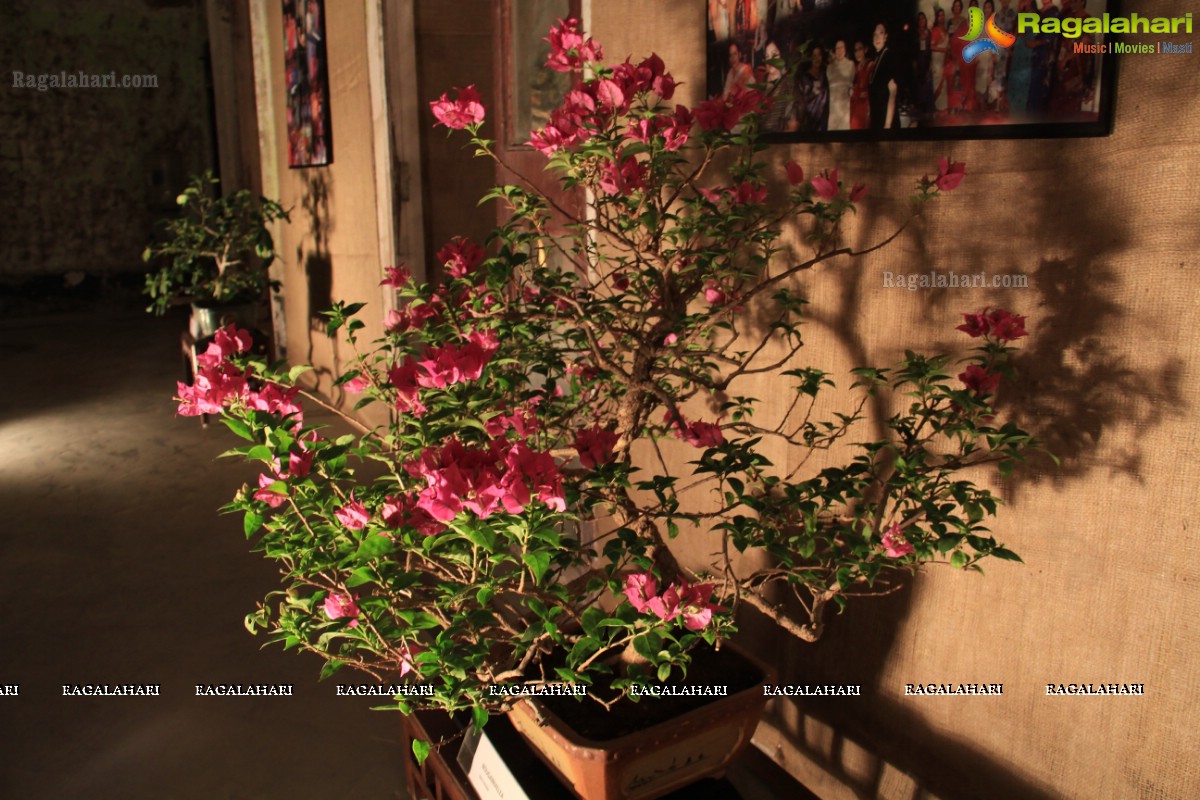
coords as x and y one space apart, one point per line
996 38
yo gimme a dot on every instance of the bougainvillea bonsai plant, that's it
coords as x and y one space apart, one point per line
219 250
568 404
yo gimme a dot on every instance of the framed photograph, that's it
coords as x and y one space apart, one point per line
310 135
872 70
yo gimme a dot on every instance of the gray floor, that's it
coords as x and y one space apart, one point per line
116 568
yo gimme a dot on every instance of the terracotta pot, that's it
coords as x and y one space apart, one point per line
655 760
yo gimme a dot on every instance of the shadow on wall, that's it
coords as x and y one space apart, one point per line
318 264
1080 382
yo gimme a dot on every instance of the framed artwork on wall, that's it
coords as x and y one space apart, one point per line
875 70
310 134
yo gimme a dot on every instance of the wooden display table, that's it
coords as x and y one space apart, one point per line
753 776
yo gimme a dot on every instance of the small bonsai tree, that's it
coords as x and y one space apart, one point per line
218 252
554 424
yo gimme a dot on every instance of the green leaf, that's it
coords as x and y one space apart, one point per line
374 546
238 427
1007 555
538 563
260 453
480 715
958 560
251 522
591 619
664 671
421 750
360 576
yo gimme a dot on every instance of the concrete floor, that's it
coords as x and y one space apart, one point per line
116 568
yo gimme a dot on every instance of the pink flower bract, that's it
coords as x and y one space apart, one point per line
950 174
979 380
826 186
895 545
460 113
595 446
342 606
353 515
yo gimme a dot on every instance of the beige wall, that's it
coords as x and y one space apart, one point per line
1106 230
330 251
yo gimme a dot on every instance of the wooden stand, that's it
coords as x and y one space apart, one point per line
752 776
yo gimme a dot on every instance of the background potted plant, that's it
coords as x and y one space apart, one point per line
217 256
555 424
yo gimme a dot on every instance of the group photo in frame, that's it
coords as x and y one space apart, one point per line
870 70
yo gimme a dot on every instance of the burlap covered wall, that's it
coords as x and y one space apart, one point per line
1105 229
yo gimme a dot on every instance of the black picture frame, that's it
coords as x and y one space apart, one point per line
1059 93
309 127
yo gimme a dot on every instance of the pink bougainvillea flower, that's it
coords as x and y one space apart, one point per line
342 606
826 186
459 478
712 195
724 114
595 446
695 605
523 420
266 494
275 399
460 256
979 380
858 192
445 366
530 473
746 192
795 173
403 512
299 464
895 545
1001 323
714 292
458 114
609 95
407 655
397 277
357 385
413 316
697 434
404 379
622 179
569 49
703 434
666 605
640 588
676 134
1005 325
195 400
670 339
975 324
353 515
950 174
570 123
227 341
